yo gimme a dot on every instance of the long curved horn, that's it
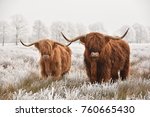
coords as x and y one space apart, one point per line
73 40
29 44
59 44
68 44
116 38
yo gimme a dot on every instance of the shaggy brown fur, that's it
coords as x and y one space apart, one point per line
55 58
104 57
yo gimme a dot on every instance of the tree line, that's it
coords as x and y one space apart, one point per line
18 28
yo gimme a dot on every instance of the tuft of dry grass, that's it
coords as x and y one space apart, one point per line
34 84
133 89
30 84
6 92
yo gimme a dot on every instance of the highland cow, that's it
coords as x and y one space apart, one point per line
55 58
104 56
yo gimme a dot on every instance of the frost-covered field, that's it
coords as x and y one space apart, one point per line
19 77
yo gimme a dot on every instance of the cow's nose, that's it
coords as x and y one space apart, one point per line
94 54
45 57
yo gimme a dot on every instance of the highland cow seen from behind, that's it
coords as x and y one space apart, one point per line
105 56
55 58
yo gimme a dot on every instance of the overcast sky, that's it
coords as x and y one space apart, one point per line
112 13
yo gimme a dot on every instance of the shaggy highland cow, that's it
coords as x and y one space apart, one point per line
104 56
55 58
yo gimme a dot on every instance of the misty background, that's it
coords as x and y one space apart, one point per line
33 20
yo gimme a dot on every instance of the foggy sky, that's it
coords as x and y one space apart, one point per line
112 13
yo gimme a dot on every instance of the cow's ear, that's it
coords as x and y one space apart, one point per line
82 40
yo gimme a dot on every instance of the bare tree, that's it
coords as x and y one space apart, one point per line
39 30
141 33
148 28
3 31
81 29
56 28
20 27
66 27
97 27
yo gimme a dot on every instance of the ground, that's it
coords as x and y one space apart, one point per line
19 77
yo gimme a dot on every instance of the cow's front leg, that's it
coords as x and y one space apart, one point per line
93 77
43 74
57 73
106 75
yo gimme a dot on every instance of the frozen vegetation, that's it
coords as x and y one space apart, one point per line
19 77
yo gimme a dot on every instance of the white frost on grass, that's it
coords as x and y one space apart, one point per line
18 62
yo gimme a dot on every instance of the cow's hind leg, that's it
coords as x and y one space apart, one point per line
114 77
125 71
